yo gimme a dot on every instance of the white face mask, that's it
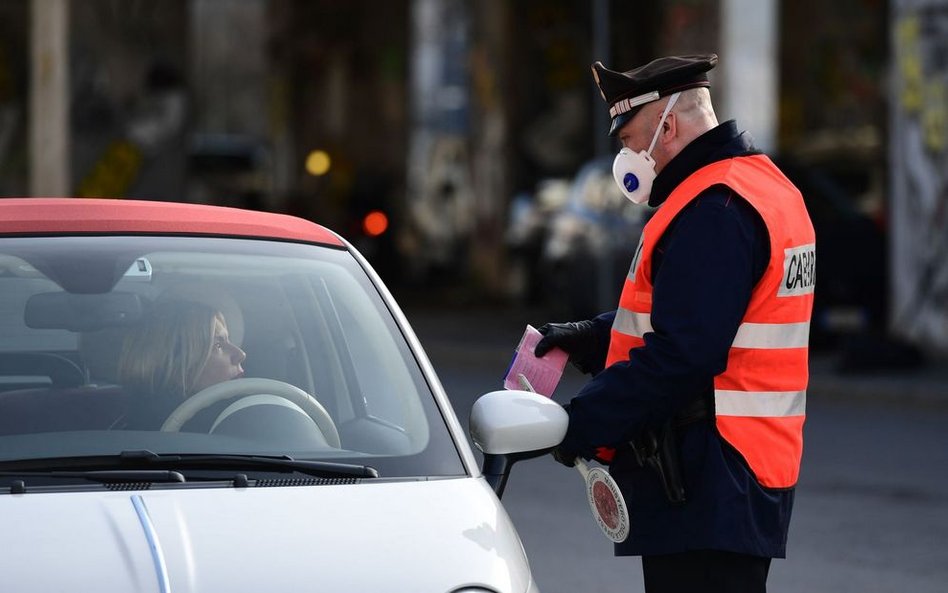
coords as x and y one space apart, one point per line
634 172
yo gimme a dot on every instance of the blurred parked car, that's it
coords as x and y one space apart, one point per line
583 236
592 241
528 230
332 462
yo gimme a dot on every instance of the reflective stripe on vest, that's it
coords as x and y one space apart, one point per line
761 403
760 399
749 335
631 323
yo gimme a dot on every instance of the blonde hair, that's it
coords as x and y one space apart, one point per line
166 353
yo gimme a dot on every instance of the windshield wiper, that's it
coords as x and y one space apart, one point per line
321 469
106 476
128 467
166 467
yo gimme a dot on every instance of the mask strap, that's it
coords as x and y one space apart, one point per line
668 107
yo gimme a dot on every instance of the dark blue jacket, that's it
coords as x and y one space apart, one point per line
704 269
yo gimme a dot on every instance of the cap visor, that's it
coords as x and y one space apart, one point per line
619 121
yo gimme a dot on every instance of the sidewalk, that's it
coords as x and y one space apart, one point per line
494 332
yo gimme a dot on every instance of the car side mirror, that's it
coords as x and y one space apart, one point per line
511 425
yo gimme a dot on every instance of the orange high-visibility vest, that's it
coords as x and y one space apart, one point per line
760 399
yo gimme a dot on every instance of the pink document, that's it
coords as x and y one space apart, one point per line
530 373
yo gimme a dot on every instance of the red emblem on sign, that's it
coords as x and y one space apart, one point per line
606 505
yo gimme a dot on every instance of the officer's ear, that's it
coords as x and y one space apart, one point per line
669 127
668 133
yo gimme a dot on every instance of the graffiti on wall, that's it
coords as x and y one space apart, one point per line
919 173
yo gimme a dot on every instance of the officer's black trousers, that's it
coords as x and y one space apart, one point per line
707 571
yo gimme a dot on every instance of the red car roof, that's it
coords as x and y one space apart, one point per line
88 215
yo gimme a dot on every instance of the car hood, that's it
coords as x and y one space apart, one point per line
374 536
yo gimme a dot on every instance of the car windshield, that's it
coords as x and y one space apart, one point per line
212 346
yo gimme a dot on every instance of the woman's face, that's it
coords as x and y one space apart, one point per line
224 361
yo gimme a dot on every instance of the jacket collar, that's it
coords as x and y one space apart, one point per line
721 142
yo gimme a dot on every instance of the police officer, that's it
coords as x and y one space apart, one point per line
699 377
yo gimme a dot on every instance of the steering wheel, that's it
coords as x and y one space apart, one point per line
253 386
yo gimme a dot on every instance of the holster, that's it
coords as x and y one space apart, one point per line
658 450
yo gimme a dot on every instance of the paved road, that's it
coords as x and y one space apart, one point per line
871 514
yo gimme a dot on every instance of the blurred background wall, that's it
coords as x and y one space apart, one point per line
461 144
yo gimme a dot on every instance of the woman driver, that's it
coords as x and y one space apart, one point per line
181 348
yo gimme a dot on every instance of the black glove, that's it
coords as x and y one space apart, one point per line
566 458
578 338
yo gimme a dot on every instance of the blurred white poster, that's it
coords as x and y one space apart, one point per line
918 145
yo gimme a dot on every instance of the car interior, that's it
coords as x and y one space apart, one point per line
333 374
